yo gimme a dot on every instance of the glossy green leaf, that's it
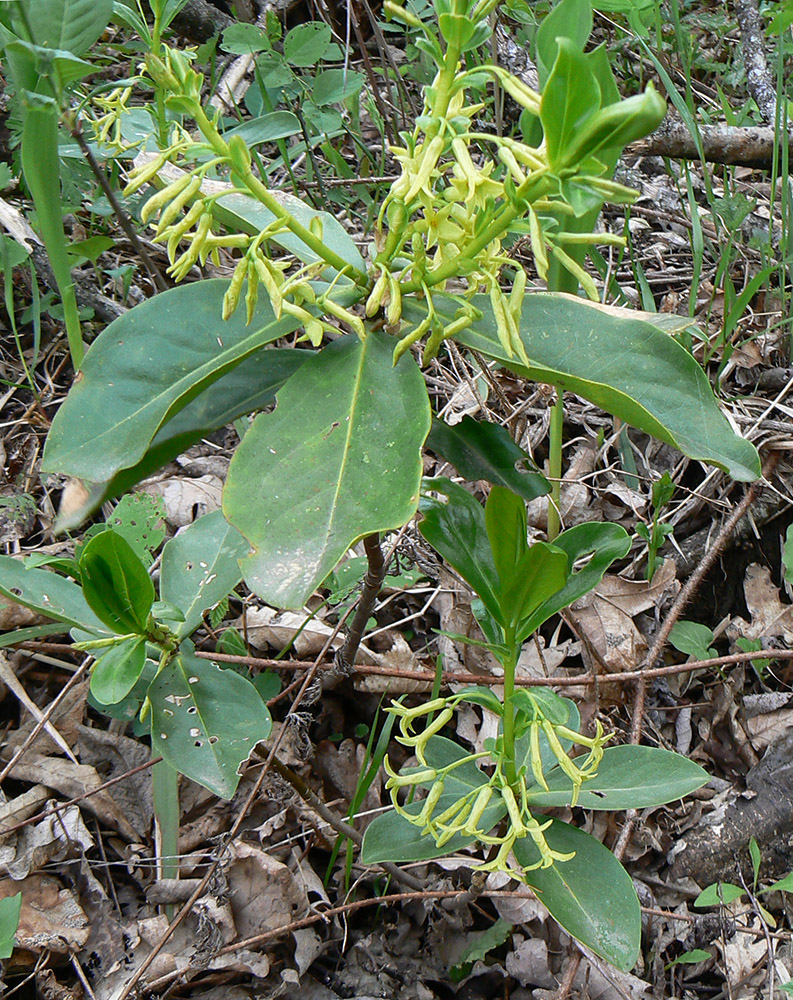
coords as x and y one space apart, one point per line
115 582
47 593
540 573
244 214
116 672
339 458
624 365
73 25
479 449
206 721
10 908
250 386
591 896
507 532
456 529
604 543
145 367
200 566
628 777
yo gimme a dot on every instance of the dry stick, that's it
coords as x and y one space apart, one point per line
77 675
691 586
730 144
462 677
73 802
123 219
338 824
372 584
758 78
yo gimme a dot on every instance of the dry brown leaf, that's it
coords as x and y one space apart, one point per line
771 620
185 499
52 839
267 628
51 919
71 781
262 892
604 618
398 656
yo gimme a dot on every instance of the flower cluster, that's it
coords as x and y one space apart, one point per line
444 813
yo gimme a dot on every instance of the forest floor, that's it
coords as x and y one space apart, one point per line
288 909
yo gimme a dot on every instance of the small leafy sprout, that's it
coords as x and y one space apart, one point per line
541 713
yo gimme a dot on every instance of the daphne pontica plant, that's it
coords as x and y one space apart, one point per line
340 456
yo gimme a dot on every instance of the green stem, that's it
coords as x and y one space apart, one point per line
165 788
509 663
559 280
555 465
262 194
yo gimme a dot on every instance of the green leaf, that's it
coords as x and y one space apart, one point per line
569 19
244 214
456 530
690 958
718 893
570 97
756 856
206 721
441 752
307 43
200 566
10 908
628 777
479 944
624 365
591 896
540 573
146 366
787 554
116 584
783 885
333 86
73 25
140 520
250 386
479 449
483 696
693 639
116 672
339 458
245 39
47 593
505 521
267 128
604 542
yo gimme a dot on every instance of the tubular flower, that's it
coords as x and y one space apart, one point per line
474 812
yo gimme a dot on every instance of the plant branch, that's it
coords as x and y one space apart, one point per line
372 583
